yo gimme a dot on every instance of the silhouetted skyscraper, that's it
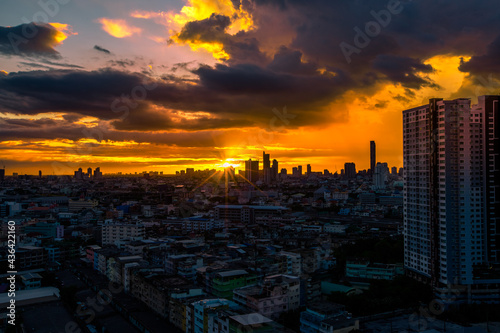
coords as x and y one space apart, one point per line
97 173
373 157
2 174
266 167
309 169
252 170
350 170
274 170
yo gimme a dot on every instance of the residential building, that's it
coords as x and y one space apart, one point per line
54 230
116 233
326 317
247 214
451 194
223 283
276 295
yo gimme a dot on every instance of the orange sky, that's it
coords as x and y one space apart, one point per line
347 124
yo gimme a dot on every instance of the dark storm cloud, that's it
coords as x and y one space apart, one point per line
290 61
413 29
47 129
232 96
88 93
402 70
487 63
33 39
212 29
241 47
144 119
101 49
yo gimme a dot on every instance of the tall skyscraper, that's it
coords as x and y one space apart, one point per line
2 175
266 166
451 193
252 170
350 170
373 157
78 174
309 169
97 173
274 170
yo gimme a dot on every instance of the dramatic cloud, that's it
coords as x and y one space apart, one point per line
33 39
402 70
484 64
227 96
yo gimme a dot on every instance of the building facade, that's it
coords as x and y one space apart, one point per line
451 191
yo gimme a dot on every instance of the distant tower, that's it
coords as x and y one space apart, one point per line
350 170
39 173
309 169
252 170
274 170
373 157
380 175
266 167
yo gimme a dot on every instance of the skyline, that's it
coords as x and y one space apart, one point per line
195 84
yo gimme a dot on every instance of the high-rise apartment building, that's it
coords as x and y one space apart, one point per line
451 193
380 176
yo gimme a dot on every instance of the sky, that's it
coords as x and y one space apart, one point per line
154 85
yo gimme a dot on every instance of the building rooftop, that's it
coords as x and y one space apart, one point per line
233 273
251 319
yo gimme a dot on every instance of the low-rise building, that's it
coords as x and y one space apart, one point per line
276 295
117 233
361 269
326 318
223 283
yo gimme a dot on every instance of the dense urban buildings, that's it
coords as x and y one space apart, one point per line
451 194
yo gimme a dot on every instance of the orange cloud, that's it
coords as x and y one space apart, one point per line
63 31
197 10
118 28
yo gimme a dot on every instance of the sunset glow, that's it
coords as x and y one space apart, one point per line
208 84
